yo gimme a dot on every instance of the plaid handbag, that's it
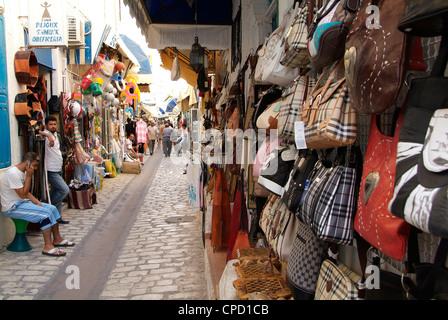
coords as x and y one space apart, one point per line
330 121
296 52
292 100
336 282
329 204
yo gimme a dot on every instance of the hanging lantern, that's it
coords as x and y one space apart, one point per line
197 56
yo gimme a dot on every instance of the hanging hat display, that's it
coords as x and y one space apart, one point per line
27 107
26 67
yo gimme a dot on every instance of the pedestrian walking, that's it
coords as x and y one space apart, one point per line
153 134
167 143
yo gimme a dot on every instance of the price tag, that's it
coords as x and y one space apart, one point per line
300 135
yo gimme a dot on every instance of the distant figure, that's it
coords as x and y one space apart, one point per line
167 143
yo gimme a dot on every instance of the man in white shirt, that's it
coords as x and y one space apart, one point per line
53 164
18 203
129 148
153 134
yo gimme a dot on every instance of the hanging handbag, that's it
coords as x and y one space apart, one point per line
422 174
295 51
373 220
330 121
336 282
175 70
329 204
284 239
276 170
269 145
273 71
305 260
297 182
376 57
221 211
240 239
267 214
425 18
329 30
261 62
432 278
292 100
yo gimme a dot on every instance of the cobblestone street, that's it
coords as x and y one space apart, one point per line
158 256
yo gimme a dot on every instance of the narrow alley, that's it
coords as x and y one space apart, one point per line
133 245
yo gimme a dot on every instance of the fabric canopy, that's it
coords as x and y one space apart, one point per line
186 72
161 36
136 50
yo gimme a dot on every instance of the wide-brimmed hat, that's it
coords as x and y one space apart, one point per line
26 67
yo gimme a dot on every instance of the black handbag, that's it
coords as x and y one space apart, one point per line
432 278
298 179
425 18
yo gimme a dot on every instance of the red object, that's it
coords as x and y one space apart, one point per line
373 221
221 212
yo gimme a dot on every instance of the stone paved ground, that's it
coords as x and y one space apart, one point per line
159 260
162 260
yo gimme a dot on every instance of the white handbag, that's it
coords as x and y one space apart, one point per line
273 71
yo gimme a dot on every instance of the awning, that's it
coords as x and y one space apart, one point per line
182 36
172 23
135 51
186 72
44 58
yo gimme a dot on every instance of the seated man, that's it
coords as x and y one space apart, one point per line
129 149
19 203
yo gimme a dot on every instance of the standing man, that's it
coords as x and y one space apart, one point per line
153 134
167 143
53 164
19 203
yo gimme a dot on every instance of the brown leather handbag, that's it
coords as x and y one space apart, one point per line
376 57
221 212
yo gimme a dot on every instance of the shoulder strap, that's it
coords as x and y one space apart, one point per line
442 59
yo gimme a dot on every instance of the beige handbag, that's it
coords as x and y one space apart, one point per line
330 121
286 235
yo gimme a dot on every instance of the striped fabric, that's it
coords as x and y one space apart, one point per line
330 120
46 215
329 204
292 102
336 282
82 199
